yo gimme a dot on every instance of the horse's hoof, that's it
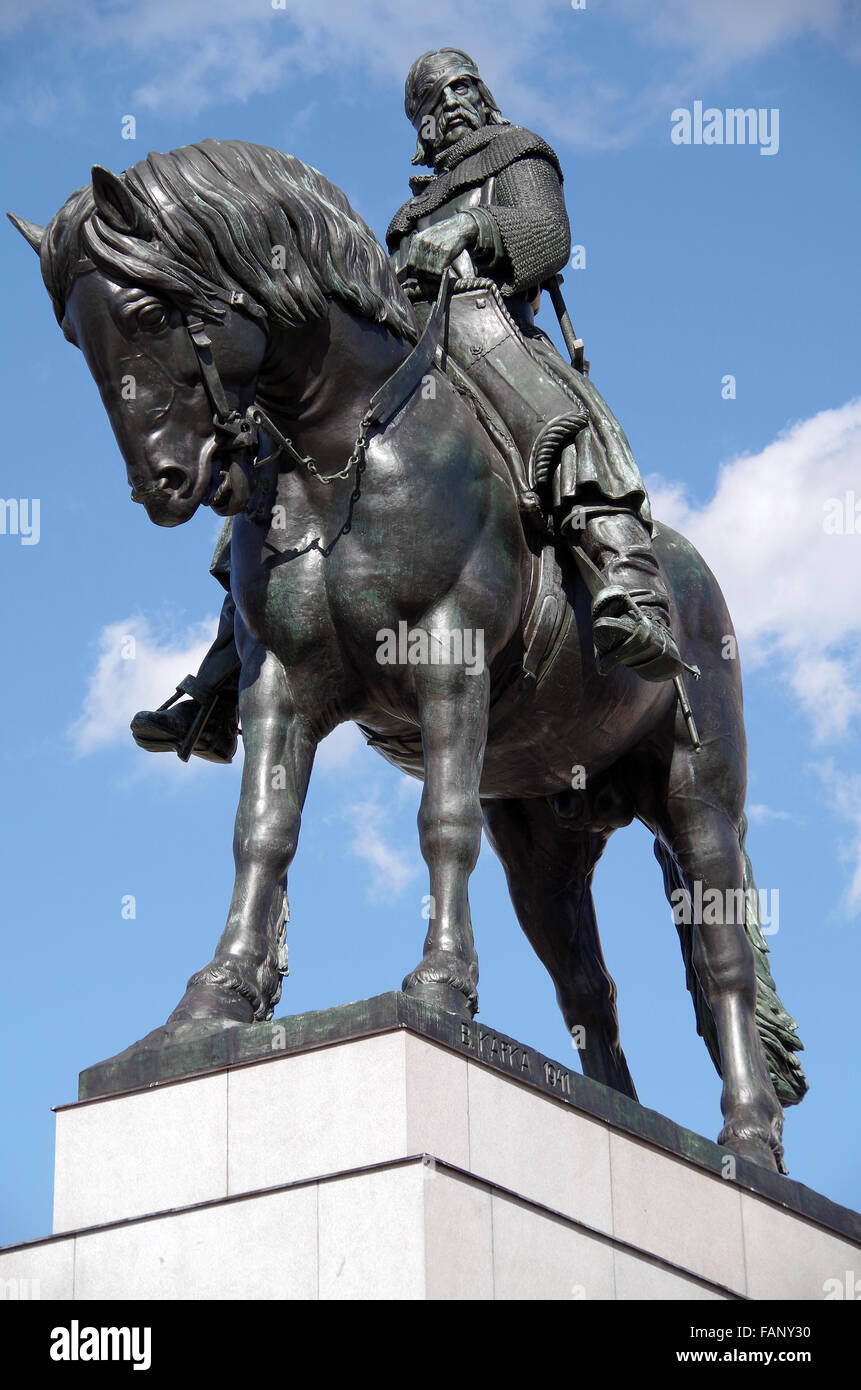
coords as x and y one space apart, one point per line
756 1146
444 997
212 1003
228 990
444 984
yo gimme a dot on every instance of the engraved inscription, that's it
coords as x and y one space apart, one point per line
557 1078
490 1047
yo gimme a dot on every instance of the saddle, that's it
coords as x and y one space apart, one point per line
487 357
481 349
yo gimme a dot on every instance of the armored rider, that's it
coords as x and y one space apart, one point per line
493 202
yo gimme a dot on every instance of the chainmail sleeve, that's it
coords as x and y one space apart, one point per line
528 211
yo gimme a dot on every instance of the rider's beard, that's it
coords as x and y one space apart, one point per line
468 115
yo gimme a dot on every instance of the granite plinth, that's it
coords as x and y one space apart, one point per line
386 1149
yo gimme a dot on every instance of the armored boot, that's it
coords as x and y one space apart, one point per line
630 604
208 722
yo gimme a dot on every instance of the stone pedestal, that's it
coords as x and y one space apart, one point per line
385 1150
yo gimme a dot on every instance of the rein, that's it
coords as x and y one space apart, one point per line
238 431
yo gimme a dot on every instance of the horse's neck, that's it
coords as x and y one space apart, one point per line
317 380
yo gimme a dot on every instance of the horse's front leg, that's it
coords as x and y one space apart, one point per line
242 983
453 711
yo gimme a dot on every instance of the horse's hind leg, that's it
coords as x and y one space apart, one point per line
698 826
549 869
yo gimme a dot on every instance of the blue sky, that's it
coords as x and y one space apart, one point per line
702 262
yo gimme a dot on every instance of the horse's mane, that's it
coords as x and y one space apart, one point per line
230 216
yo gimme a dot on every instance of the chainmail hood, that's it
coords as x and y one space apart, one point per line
477 156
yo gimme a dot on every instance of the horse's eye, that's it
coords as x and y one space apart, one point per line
151 317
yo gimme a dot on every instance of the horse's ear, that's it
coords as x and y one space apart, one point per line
30 231
117 206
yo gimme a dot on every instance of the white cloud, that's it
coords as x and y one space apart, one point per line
758 813
409 789
844 793
737 29
135 670
393 869
340 749
792 587
203 51
200 52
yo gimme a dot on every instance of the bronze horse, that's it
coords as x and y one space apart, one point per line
228 272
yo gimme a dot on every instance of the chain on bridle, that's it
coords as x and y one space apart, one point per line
239 432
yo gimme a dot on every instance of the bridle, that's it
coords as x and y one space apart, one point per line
233 430
239 433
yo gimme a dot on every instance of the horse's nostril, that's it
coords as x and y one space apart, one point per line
172 480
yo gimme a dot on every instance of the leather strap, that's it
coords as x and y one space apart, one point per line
202 344
405 378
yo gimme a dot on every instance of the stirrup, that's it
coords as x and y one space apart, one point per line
625 635
206 698
198 690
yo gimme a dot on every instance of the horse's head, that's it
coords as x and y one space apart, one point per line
150 374
141 354
170 279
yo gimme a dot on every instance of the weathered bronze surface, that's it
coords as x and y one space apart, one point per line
413 475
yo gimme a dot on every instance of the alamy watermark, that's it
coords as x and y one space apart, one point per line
77 1343
842 515
736 125
20 516
713 907
16 1290
848 1288
418 646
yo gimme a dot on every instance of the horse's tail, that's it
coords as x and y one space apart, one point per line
776 1027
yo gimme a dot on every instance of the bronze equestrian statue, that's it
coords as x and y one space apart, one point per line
496 193
378 481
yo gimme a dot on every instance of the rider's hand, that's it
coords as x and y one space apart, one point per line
436 247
